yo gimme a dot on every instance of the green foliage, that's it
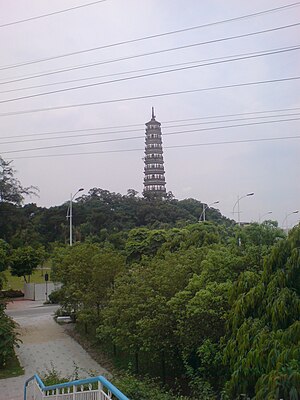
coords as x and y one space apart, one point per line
99 216
10 188
144 389
17 283
143 242
264 329
12 368
138 315
146 276
167 295
202 307
52 376
8 337
87 272
57 296
24 260
4 255
11 294
132 387
4 259
265 234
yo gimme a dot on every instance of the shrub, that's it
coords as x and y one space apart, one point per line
143 389
57 296
11 293
8 337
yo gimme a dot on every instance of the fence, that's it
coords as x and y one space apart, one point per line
97 388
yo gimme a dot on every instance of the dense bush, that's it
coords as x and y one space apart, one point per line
8 337
144 389
56 296
11 293
263 345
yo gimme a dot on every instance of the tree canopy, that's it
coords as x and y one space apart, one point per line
174 296
11 190
24 260
263 347
211 305
97 215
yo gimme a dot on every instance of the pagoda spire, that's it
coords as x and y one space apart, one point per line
153 116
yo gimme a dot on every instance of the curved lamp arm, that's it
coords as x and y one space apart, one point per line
205 207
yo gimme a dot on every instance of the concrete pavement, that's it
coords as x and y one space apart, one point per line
45 346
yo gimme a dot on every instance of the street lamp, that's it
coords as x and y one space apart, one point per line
205 206
238 204
262 216
70 215
286 217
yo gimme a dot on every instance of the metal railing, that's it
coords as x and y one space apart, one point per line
97 388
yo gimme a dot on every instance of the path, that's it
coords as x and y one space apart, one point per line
45 344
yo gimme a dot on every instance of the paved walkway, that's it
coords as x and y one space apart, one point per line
45 346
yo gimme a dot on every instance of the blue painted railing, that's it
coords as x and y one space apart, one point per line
106 384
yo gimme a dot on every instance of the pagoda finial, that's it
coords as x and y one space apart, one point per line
153 116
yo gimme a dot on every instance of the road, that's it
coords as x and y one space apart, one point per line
45 346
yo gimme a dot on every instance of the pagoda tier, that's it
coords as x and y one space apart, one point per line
154 180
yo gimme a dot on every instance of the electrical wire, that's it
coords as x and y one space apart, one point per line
165 147
163 122
271 10
138 130
150 96
141 137
50 14
151 53
287 48
143 76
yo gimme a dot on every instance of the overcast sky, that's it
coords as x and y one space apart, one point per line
222 172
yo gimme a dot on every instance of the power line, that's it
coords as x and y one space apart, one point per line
287 48
163 122
237 114
145 75
50 14
165 147
141 137
138 130
154 36
150 53
155 95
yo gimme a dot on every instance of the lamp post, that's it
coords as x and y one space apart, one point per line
286 217
70 215
238 204
262 216
205 206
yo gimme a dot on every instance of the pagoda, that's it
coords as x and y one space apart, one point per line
154 180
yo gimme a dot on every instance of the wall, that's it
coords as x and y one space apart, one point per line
37 291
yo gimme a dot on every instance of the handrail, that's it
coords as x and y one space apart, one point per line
115 391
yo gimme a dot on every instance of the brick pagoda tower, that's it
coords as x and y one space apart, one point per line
154 181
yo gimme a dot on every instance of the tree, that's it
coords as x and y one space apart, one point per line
200 309
138 316
263 341
87 272
11 189
143 242
4 257
4 260
25 259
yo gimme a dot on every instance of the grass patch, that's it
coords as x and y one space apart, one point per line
12 369
17 283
